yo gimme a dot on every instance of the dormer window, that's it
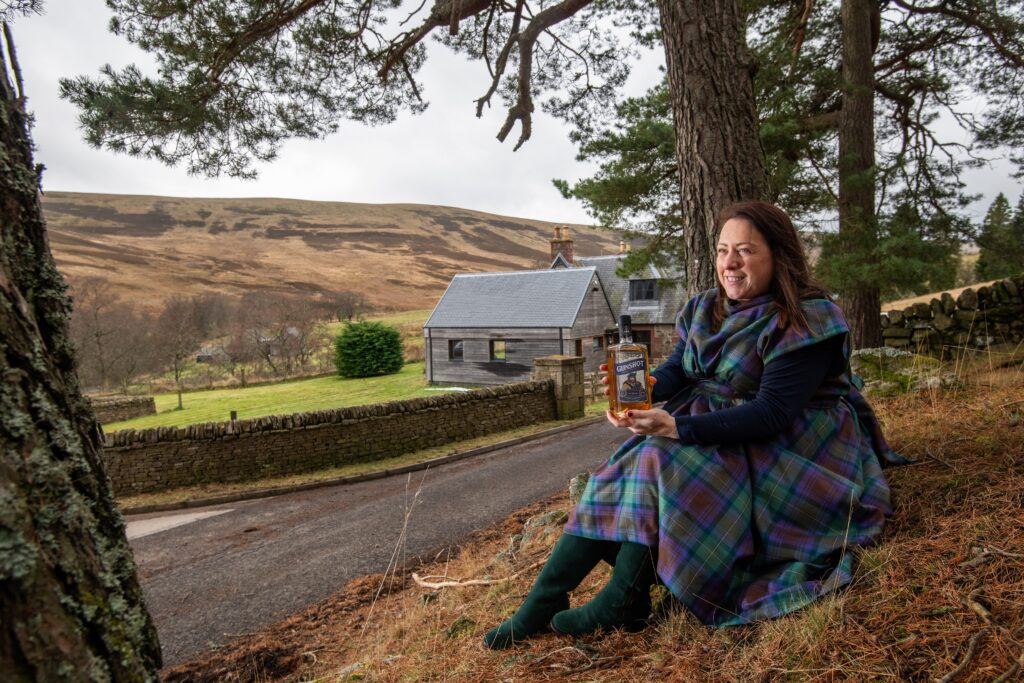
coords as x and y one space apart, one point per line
641 291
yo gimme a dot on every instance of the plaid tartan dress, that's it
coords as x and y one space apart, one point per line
751 530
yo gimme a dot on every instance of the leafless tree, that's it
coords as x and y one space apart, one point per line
344 305
93 328
238 346
131 353
283 331
255 321
176 337
212 313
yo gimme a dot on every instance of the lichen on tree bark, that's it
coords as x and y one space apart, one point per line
70 598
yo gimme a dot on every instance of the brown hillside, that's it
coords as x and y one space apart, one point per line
400 256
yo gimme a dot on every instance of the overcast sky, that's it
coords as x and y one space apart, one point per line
446 156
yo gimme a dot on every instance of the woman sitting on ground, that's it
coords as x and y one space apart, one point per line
744 494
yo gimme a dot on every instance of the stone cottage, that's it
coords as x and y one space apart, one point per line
652 297
489 327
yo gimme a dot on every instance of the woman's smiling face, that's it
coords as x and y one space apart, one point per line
744 262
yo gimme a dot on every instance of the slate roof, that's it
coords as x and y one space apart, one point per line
525 298
661 312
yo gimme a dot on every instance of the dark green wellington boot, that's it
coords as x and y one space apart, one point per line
624 603
571 560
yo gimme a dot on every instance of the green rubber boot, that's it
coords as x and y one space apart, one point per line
571 560
624 603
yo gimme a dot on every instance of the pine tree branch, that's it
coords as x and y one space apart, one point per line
938 39
506 50
826 120
522 110
11 8
264 27
12 55
973 19
442 14
799 33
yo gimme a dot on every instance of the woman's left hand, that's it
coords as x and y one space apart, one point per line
654 422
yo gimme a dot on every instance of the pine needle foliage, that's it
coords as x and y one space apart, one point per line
368 349
1001 241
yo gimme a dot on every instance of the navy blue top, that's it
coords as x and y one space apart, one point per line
787 384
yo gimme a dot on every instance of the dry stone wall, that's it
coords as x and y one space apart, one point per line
168 457
991 316
117 408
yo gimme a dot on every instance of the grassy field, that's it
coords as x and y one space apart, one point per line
283 398
209 376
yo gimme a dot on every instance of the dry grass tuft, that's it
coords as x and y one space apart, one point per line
942 593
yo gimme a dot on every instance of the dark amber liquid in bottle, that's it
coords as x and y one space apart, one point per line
628 373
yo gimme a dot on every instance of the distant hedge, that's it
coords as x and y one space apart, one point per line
367 349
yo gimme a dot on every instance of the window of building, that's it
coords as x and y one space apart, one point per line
598 344
643 337
643 290
498 349
455 349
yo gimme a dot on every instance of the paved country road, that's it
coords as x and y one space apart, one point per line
236 568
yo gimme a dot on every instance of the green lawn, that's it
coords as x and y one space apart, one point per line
281 399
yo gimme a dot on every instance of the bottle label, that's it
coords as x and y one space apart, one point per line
630 373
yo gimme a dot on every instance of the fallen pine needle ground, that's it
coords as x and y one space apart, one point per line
941 598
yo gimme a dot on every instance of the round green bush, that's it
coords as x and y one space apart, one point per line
367 349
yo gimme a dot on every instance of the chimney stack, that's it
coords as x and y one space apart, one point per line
562 243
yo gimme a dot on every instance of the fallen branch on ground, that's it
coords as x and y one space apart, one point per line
986 554
937 459
563 649
423 583
1012 671
972 647
977 607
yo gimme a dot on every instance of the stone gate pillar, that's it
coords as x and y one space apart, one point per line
567 374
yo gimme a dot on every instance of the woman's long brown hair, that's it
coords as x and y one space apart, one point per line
792 280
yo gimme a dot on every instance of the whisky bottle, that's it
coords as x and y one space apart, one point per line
628 372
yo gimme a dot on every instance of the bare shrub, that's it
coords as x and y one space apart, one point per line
344 305
177 337
111 336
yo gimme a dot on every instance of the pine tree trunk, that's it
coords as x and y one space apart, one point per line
717 145
857 226
71 607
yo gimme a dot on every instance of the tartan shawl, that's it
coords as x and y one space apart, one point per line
753 530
